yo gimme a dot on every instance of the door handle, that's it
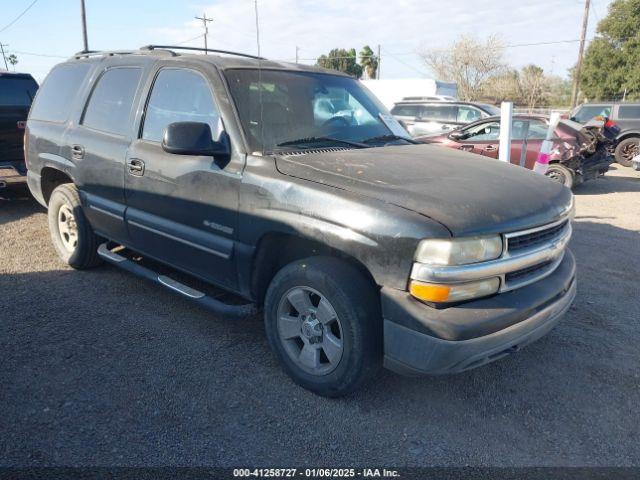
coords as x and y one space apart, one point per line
77 152
490 148
135 167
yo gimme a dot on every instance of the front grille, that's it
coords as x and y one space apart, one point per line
529 240
522 274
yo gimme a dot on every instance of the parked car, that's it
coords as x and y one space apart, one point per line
424 117
579 152
16 94
626 115
357 253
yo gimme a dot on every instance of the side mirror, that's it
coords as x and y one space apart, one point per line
194 138
457 135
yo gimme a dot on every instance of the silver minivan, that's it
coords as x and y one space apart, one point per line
425 116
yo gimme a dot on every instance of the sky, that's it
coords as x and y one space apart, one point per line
50 30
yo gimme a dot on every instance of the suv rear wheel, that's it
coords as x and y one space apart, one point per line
71 233
323 322
626 150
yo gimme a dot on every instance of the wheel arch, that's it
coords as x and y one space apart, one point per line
277 249
628 134
50 178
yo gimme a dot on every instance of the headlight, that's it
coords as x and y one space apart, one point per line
446 293
459 251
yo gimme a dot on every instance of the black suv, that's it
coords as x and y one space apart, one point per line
626 116
16 94
358 244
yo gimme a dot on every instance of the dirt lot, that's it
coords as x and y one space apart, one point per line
101 368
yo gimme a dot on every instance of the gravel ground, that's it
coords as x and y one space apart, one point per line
100 368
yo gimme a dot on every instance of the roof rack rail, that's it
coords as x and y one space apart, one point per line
178 47
96 53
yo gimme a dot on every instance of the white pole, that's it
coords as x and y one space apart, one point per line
506 115
542 163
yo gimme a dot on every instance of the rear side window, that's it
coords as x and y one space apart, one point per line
468 114
629 111
587 112
110 103
56 95
179 96
17 91
405 110
441 113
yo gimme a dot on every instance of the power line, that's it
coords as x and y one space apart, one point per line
37 54
190 40
19 16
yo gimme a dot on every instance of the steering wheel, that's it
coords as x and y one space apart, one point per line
337 121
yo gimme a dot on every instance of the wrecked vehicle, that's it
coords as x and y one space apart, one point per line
579 152
222 169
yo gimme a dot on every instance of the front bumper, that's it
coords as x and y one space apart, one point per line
419 339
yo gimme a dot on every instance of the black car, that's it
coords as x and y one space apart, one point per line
16 94
360 246
626 116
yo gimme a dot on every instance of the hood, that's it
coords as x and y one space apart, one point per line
469 194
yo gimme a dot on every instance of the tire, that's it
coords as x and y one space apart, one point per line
561 174
71 233
355 304
626 150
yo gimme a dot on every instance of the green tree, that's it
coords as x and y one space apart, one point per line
342 60
369 61
13 60
612 60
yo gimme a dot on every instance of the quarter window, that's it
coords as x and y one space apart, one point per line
110 103
55 98
179 96
629 111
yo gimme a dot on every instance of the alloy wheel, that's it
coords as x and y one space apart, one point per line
310 330
67 228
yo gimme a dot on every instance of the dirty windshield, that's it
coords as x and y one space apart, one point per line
288 110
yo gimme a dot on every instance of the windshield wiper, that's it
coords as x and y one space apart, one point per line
307 140
389 137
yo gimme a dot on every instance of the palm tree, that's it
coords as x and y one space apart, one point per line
369 61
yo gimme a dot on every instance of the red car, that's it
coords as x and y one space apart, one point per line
579 152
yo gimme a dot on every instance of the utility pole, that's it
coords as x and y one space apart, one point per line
205 20
2 45
576 79
297 50
84 26
379 62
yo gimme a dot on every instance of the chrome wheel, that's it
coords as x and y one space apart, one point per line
629 151
67 228
310 330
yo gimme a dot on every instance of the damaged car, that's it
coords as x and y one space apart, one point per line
579 152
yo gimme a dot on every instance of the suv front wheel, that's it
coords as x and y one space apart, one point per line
71 233
323 321
626 150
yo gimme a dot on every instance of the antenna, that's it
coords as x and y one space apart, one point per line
205 20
